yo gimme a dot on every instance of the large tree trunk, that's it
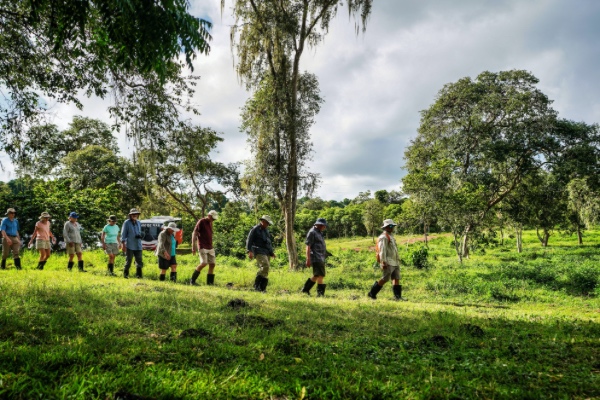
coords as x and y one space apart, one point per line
543 238
290 238
519 237
579 235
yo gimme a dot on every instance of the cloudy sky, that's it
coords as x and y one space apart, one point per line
375 84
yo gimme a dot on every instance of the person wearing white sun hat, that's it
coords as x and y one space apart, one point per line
389 259
166 252
42 236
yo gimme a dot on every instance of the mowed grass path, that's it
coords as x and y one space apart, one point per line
502 325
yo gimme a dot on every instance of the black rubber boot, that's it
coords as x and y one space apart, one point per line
70 265
126 273
161 277
195 276
263 285
210 279
173 277
3 266
18 263
257 282
307 286
43 264
138 273
374 290
111 269
40 265
321 290
80 266
398 292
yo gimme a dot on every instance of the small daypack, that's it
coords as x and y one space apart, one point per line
377 247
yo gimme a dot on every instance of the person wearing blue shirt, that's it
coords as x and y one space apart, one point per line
11 241
131 239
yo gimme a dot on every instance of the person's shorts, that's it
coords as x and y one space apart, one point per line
42 244
391 272
76 248
262 260
112 248
163 263
318 268
14 247
207 256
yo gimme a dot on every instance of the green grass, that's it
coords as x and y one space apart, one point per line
501 325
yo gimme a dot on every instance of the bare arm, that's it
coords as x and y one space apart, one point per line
34 235
308 256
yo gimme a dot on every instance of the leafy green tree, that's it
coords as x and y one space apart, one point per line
372 216
583 205
270 38
129 49
183 169
481 137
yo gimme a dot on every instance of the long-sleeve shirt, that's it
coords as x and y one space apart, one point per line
388 251
316 242
165 243
129 231
259 242
72 232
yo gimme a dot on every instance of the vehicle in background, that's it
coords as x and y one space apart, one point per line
152 227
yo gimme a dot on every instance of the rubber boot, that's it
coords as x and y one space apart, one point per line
263 285
138 272
257 282
18 263
161 277
321 289
195 276
126 273
173 277
43 264
70 265
210 279
398 292
307 286
80 266
40 265
111 269
3 266
374 290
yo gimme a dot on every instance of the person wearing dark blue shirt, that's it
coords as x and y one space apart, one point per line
131 239
316 253
259 247
11 241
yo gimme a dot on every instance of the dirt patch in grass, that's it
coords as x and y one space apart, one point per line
257 320
194 333
236 304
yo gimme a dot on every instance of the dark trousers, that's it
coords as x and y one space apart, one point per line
138 258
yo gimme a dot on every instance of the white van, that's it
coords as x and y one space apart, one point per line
153 226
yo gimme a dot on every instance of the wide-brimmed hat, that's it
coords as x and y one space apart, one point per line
73 214
112 218
321 221
44 215
134 211
213 214
388 222
173 226
11 210
267 218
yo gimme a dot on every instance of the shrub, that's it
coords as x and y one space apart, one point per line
583 279
418 258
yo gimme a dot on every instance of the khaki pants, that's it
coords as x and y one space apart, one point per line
14 247
262 260
207 256
391 272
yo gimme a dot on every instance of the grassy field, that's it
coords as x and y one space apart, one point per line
501 325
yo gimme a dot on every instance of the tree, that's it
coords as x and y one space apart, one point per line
372 216
483 136
128 49
182 168
584 206
41 151
270 38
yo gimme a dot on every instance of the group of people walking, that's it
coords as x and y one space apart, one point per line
258 245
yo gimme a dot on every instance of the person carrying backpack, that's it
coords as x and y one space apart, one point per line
389 259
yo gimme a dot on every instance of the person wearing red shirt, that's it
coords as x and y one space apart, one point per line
202 241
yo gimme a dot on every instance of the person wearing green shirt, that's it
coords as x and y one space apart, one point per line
111 242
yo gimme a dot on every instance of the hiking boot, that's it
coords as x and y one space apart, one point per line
80 266
257 282
18 263
173 277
